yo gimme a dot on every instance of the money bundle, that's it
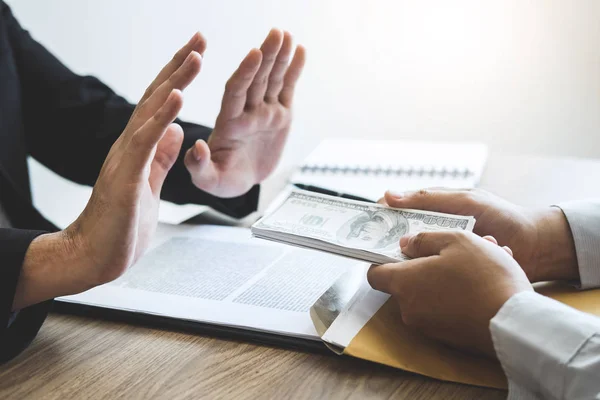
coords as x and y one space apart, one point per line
360 230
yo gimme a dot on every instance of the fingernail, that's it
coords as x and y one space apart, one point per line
508 250
193 39
404 240
196 153
190 56
396 195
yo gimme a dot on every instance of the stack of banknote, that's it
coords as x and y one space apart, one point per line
360 230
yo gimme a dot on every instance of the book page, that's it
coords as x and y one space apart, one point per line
221 275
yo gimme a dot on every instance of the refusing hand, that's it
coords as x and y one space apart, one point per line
117 224
454 285
120 218
540 239
254 121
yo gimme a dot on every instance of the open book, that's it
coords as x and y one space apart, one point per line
367 168
221 276
220 280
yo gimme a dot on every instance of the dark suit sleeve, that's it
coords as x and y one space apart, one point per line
71 122
16 333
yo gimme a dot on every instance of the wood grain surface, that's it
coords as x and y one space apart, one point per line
81 358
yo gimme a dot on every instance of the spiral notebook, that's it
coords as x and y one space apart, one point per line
365 169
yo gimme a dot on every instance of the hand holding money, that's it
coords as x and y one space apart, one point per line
360 230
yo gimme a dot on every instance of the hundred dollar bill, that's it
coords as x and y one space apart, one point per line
360 230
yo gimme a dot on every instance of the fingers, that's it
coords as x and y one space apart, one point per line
426 244
490 239
234 99
493 240
380 276
446 201
270 50
180 79
167 152
197 43
389 278
275 83
202 170
291 77
264 75
141 145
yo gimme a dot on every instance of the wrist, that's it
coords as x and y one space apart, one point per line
53 266
556 258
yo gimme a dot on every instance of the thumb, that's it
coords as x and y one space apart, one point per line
426 244
200 166
167 151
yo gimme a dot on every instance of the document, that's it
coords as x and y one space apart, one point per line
221 275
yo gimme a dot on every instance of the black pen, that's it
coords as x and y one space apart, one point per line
329 192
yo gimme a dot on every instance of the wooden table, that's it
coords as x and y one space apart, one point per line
78 357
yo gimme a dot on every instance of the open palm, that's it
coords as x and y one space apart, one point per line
254 121
118 222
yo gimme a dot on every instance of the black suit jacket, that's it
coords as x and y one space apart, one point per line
67 122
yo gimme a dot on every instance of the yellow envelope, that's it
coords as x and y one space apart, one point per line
386 340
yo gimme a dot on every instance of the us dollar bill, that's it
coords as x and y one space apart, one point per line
365 231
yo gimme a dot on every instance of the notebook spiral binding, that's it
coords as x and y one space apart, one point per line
388 171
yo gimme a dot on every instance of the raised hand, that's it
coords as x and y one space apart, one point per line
454 285
540 238
254 121
116 226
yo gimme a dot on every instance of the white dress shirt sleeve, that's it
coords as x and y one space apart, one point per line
584 221
547 349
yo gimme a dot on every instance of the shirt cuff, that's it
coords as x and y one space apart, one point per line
535 337
584 221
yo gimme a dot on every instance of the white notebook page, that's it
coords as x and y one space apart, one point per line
368 168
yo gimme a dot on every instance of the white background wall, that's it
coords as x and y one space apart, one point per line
521 75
